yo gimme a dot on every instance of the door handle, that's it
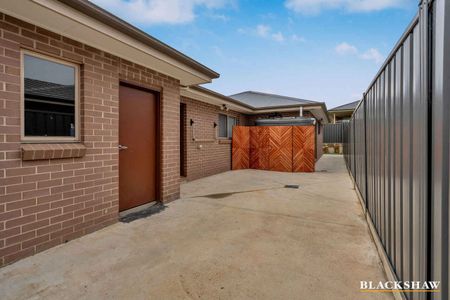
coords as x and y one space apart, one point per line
122 147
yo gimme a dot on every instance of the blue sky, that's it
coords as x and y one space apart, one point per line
323 50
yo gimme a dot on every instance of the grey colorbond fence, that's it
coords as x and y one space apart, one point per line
333 133
397 149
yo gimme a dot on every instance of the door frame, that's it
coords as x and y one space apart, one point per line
157 94
183 139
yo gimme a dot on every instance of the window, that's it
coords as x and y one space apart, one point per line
226 124
231 123
50 98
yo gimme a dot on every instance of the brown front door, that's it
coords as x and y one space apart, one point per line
138 132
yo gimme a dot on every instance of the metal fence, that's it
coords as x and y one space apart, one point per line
397 149
333 133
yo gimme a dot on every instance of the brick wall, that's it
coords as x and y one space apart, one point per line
47 202
209 157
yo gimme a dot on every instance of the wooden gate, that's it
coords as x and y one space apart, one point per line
241 148
259 148
275 148
303 148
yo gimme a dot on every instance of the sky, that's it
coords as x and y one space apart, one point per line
321 50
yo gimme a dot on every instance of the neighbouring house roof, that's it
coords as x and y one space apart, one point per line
268 105
349 106
38 88
260 100
89 24
271 102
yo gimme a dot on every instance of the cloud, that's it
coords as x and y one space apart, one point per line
263 31
279 37
297 38
345 48
316 6
151 12
220 17
372 54
218 51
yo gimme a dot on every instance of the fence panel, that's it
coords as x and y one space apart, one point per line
440 148
333 133
397 150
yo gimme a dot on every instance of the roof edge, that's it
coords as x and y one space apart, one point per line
120 25
276 95
261 109
219 95
338 108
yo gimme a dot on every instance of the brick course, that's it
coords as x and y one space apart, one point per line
47 202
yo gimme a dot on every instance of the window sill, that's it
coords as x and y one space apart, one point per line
52 151
225 141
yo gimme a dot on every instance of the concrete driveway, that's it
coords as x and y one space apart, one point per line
236 235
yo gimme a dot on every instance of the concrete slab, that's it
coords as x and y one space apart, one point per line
236 235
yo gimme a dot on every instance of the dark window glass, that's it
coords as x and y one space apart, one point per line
231 123
226 124
49 89
222 125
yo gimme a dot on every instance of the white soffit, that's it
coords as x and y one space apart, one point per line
203 97
62 19
318 113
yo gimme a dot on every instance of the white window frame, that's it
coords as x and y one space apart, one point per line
228 124
48 139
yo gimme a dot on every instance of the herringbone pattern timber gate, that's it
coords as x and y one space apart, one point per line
274 148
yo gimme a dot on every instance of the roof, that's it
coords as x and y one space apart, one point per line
270 102
239 103
260 100
38 88
223 97
100 14
348 106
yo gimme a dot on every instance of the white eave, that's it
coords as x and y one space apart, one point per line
199 95
67 21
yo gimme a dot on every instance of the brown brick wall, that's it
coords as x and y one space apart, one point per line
209 157
47 202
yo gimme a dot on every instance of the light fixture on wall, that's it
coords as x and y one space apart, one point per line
224 107
215 124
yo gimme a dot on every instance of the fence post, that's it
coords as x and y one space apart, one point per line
365 150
